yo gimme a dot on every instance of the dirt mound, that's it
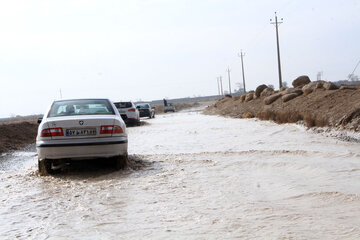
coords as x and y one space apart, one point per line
17 135
320 107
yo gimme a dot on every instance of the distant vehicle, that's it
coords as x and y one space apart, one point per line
128 112
146 110
80 129
169 108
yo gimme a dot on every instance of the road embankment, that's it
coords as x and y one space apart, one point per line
313 104
14 136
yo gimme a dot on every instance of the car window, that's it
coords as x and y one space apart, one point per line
81 107
123 104
143 105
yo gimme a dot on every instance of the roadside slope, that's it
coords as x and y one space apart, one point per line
334 108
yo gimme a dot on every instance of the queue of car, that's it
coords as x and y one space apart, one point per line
78 129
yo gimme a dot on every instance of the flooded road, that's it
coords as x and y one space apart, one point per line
196 177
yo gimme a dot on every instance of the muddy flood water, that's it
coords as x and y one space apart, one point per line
193 176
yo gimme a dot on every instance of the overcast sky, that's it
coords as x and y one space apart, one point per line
151 49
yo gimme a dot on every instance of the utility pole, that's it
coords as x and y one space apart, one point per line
242 67
221 86
228 71
218 85
278 47
60 94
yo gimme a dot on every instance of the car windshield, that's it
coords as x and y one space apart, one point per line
81 107
143 106
123 104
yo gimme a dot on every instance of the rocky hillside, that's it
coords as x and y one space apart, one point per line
318 103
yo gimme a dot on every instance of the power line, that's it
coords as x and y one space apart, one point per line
351 75
277 23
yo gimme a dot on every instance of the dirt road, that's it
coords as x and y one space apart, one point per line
196 177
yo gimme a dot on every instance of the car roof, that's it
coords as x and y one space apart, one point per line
75 99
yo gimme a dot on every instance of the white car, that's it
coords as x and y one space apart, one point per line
128 112
78 129
169 108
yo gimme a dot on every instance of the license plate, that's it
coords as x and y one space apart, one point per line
81 132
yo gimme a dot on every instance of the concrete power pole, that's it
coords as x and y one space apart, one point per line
228 71
278 47
221 86
218 85
241 55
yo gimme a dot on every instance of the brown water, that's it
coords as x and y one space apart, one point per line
196 177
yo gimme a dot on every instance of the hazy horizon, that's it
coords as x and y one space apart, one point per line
132 50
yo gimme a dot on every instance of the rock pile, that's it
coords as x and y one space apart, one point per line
301 85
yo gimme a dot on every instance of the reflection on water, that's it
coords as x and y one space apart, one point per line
198 177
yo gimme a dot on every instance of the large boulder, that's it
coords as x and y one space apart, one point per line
301 81
293 90
249 96
242 98
289 96
267 92
310 87
330 86
270 99
259 89
320 84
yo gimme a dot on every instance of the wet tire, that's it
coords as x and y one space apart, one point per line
44 167
138 123
121 162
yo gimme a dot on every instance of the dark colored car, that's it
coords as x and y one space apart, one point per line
146 110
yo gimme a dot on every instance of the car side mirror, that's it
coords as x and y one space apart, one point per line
39 120
138 107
